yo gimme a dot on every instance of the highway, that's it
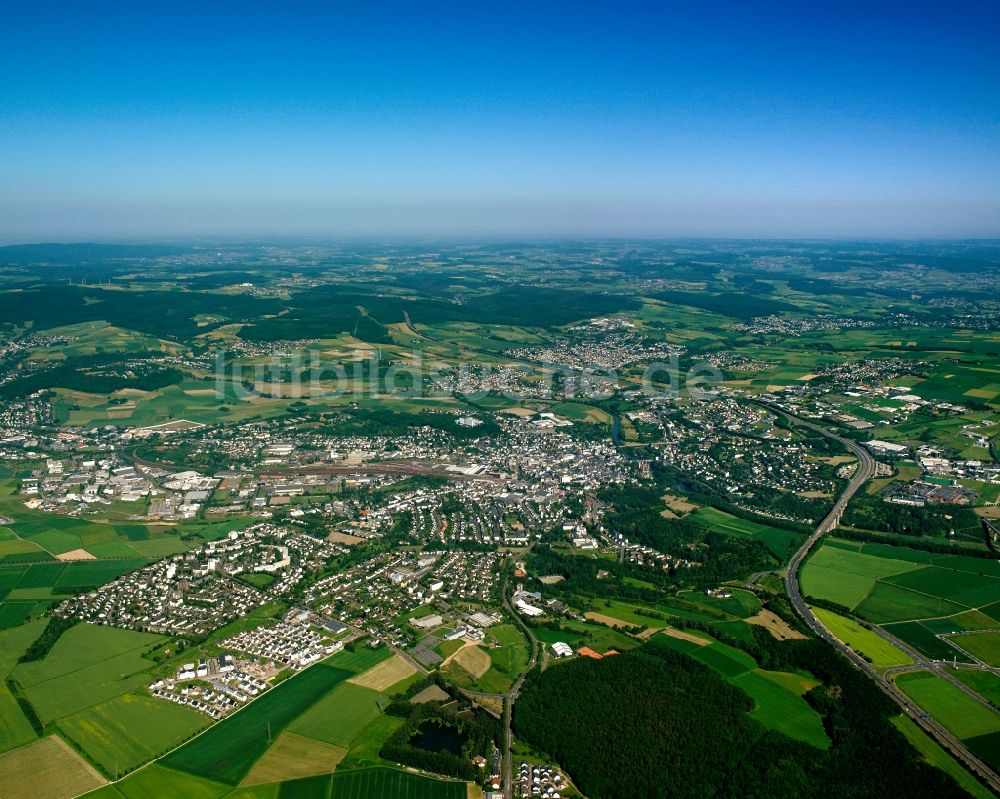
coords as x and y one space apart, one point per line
866 467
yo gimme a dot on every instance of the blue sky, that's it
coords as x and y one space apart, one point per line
149 120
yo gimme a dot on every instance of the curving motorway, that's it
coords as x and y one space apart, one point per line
865 470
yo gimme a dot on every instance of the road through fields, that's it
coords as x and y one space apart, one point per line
865 470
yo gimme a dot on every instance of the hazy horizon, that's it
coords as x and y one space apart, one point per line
776 121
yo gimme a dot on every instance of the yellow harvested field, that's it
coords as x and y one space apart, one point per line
432 693
611 621
66 774
775 625
518 411
344 538
474 659
673 632
76 554
293 756
679 504
385 674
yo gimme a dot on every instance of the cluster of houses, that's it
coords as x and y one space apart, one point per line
737 448
200 590
214 686
296 645
376 595
604 343
539 781
642 555
781 325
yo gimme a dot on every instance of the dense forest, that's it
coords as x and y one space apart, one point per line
874 513
94 376
656 723
721 557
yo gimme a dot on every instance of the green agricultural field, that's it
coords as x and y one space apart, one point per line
508 659
129 730
888 602
886 584
963 716
270 790
932 752
12 546
866 643
448 648
782 709
834 585
42 575
316 787
158 780
626 613
387 783
14 614
339 716
986 747
81 646
88 664
742 604
15 729
845 576
726 660
984 645
778 696
963 587
955 624
984 683
922 638
860 562
360 659
781 542
70 693
10 576
991 611
365 749
596 636
228 749
86 575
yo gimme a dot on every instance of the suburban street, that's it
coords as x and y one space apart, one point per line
511 697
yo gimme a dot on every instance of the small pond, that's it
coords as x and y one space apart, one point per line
436 737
